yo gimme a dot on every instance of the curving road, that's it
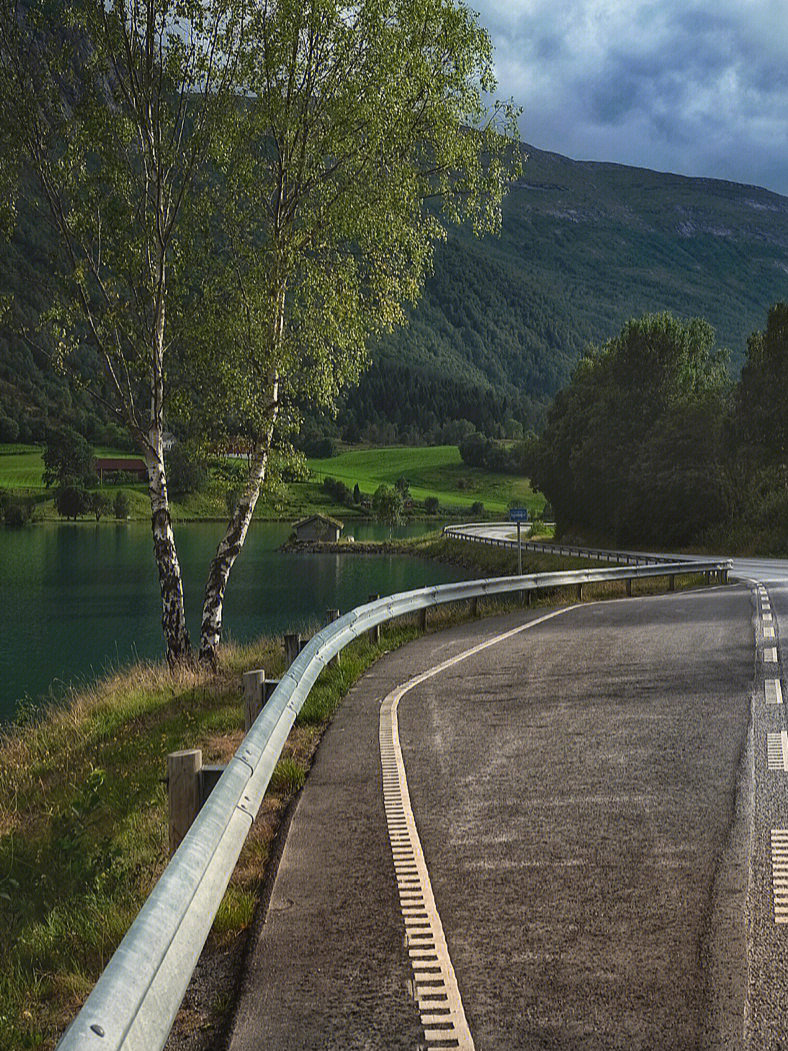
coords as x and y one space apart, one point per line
599 806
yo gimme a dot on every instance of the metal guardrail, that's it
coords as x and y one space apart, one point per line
134 1003
629 558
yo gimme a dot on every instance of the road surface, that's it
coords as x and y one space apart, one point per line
598 804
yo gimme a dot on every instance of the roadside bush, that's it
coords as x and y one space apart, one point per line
120 505
477 508
431 505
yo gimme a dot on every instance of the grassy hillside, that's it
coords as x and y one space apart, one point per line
436 471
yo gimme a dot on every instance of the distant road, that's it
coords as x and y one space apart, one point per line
765 569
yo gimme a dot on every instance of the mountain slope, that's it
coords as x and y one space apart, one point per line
584 246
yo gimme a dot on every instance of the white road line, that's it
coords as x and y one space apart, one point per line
770 655
779 843
777 751
435 983
773 691
768 631
767 617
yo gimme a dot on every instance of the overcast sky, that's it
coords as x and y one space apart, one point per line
698 87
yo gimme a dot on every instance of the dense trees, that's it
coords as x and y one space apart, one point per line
651 442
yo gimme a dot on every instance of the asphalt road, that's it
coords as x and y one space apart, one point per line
596 813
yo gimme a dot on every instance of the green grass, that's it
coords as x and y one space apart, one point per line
435 471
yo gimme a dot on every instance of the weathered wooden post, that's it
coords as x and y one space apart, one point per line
374 633
423 618
183 792
331 616
629 587
579 592
253 696
475 606
292 646
672 582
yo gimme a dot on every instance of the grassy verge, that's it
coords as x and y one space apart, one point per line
83 824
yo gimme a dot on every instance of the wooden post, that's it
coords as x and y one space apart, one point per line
331 616
579 592
672 582
529 597
374 633
253 696
475 606
629 587
423 618
292 647
183 792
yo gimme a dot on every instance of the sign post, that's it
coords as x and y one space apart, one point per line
519 515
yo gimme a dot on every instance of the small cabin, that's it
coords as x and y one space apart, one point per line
317 527
105 465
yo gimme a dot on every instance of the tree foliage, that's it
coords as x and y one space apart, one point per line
633 446
243 195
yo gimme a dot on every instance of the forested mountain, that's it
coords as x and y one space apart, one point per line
584 246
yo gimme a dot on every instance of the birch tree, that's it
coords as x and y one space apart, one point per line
245 197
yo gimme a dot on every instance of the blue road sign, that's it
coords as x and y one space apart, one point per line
518 514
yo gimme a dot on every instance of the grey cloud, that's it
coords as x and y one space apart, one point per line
699 87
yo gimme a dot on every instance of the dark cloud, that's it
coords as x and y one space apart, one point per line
694 86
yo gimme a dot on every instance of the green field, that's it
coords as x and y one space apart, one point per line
434 471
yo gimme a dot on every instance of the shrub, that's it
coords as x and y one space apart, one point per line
186 470
477 508
72 501
120 505
16 514
431 505
98 504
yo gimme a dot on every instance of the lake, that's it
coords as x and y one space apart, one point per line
82 598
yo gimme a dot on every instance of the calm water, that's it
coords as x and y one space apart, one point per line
79 598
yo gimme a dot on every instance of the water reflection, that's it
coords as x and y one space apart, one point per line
81 597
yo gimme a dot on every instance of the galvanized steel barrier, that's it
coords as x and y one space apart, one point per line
629 558
134 1002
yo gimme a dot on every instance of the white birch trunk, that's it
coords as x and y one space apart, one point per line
230 547
173 615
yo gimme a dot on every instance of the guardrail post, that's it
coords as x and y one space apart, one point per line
579 592
374 632
292 646
724 576
475 606
183 792
253 696
332 615
672 582
423 618
629 587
